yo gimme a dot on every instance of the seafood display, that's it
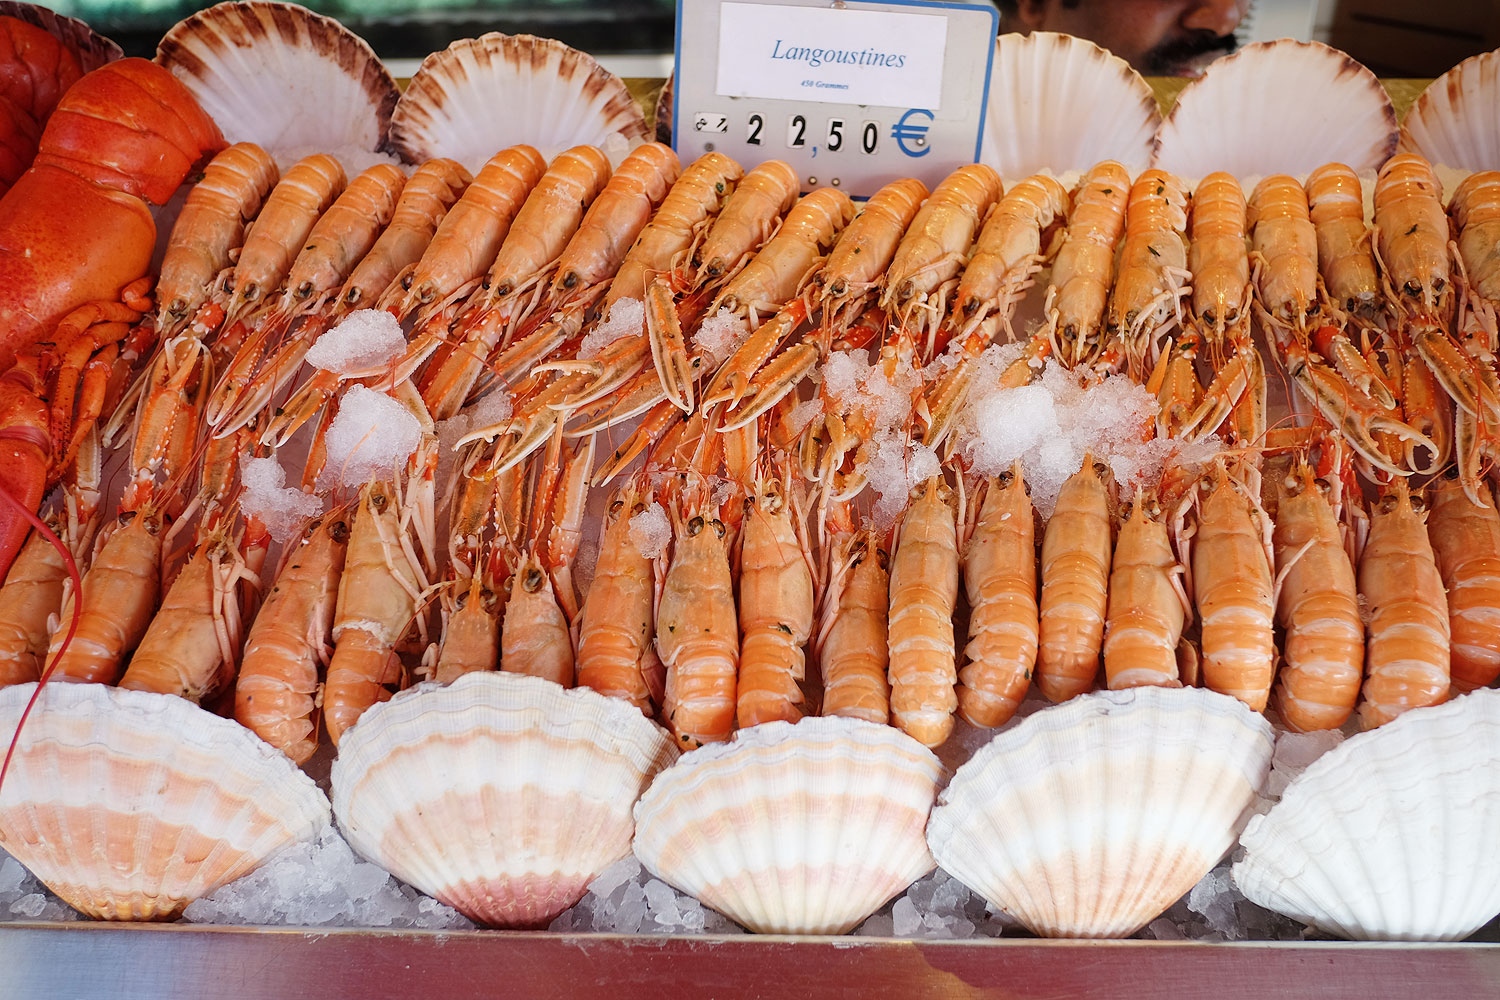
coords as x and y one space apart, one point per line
580 503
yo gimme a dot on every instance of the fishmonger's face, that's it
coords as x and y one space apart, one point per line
1157 37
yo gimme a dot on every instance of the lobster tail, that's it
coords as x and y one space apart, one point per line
130 126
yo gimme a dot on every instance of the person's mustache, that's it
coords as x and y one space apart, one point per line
1168 56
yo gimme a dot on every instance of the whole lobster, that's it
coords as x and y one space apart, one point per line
75 232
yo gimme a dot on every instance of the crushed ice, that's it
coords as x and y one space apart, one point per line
323 883
23 897
650 531
627 899
280 508
363 339
720 335
1051 424
627 318
371 437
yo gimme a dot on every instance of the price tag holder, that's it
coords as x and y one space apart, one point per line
852 93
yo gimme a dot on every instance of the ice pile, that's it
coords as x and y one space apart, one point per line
371 438
937 907
879 405
719 336
22 897
627 899
627 318
280 508
365 339
323 883
1052 423
651 531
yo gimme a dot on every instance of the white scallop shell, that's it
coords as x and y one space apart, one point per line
483 94
1091 818
1391 834
130 805
804 828
1456 120
502 795
287 79
1061 104
1282 107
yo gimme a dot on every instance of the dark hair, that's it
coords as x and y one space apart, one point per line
1010 8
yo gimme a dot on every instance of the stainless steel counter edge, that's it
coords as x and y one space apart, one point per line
43 961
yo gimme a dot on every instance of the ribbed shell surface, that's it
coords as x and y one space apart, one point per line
483 94
1390 835
1282 107
1456 120
1091 818
501 794
1062 104
260 68
793 828
130 805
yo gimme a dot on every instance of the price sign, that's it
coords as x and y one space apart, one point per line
852 93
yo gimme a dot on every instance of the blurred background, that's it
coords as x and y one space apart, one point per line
1401 38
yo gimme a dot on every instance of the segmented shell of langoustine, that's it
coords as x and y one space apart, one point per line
1456 120
92 49
482 94
1278 107
1389 835
1061 103
287 79
130 805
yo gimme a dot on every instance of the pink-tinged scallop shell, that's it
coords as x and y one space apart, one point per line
1282 107
92 49
804 828
1456 120
502 795
1091 818
130 805
287 79
1062 104
1390 835
483 94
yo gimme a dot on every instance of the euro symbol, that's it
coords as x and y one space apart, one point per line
915 131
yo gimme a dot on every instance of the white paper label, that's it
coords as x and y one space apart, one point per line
879 58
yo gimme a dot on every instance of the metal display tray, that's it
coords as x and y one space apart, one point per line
124 962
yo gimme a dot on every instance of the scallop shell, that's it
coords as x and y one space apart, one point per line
1456 120
1062 104
1282 107
130 805
1091 818
1391 834
804 828
280 76
663 114
92 49
487 93
503 795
